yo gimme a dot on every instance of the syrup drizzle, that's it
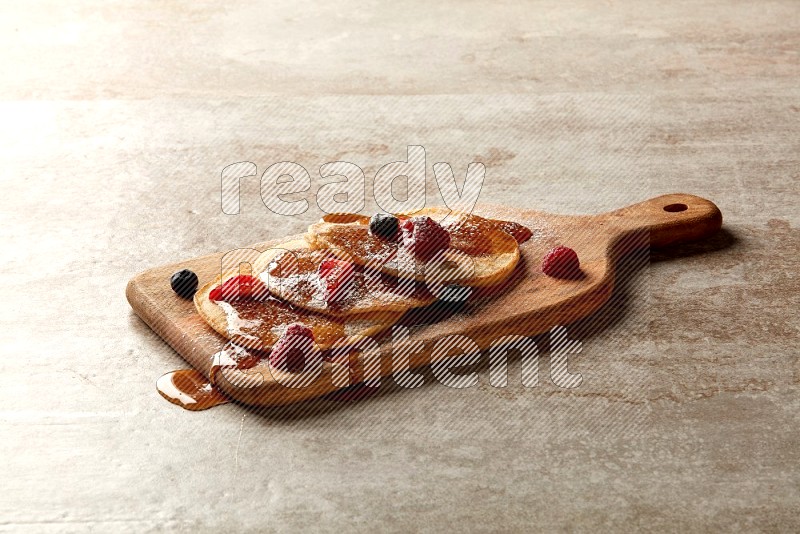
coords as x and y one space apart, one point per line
190 390
517 231
294 278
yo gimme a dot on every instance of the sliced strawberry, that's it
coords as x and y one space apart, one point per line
327 266
239 287
336 277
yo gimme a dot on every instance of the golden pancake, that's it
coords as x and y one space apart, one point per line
480 252
259 324
290 272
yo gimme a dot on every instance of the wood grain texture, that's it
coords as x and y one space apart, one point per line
118 118
528 303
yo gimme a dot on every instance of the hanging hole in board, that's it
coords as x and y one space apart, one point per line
674 208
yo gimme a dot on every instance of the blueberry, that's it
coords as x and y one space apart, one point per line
383 225
184 283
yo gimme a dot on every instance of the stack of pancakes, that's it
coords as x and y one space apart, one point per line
387 281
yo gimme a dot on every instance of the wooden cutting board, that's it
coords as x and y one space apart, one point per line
529 302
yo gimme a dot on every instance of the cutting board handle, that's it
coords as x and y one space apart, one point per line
668 220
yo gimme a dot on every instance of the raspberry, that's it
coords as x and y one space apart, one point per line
561 262
424 236
336 277
290 352
240 287
297 329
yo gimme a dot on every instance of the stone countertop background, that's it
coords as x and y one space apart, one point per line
118 119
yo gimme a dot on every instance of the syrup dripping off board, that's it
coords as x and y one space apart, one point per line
528 303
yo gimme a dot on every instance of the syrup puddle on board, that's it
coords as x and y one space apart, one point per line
190 390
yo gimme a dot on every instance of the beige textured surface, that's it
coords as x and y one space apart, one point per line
117 120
